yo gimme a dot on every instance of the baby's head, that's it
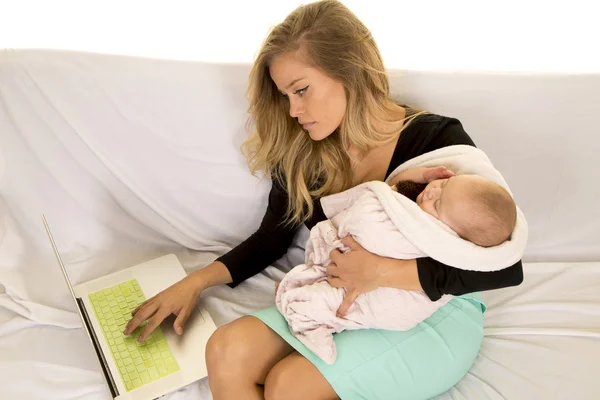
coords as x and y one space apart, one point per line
477 209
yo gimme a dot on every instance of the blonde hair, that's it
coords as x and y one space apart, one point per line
334 40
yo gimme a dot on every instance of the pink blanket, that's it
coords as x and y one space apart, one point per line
309 303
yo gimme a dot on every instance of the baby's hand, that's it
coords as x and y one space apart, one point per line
435 173
423 175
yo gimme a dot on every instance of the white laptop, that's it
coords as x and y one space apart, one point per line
165 361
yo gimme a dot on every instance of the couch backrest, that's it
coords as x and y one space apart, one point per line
151 147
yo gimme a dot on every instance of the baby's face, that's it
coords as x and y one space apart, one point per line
448 199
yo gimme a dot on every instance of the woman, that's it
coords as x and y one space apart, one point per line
324 122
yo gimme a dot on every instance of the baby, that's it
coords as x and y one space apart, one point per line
476 209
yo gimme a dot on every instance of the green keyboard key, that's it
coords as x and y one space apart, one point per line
138 363
145 376
153 373
172 368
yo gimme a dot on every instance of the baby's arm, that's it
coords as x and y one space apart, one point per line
423 174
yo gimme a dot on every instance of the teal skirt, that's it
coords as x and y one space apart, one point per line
416 364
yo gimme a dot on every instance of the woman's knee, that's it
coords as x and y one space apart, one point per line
245 349
224 349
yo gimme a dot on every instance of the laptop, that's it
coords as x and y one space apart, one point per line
165 361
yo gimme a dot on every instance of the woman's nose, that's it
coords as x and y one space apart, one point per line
295 109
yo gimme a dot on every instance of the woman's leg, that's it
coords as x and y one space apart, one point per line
295 377
239 355
371 364
379 365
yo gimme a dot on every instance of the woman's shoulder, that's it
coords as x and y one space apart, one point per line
431 131
427 132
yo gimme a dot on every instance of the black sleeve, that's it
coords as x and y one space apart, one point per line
438 279
267 245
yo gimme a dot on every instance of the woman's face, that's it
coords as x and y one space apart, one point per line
315 100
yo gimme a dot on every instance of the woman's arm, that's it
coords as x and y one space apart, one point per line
399 274
360 271
437 279
214 274
265 246
268 244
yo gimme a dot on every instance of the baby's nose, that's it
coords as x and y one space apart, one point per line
430 192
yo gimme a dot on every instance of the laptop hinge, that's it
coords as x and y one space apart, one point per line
109 378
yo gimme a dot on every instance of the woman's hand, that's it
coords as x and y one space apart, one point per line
356 271
178 299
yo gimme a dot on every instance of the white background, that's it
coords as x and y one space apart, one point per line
525 35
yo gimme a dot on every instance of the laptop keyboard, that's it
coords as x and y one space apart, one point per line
138 363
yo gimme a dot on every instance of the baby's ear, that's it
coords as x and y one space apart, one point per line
394 188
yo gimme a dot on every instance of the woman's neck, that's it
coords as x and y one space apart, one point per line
374 165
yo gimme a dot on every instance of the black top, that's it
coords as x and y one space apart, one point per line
271 241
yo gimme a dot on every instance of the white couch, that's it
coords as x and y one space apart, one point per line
132 158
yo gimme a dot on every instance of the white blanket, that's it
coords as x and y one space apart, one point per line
432 236
386 223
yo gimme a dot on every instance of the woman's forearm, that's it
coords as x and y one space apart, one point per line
399 274
213 274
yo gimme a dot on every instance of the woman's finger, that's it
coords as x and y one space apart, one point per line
145 303
335 255
332 269
348 300
153 324
143 314
349 241
182 316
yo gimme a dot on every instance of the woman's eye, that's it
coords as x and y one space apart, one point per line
301 91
